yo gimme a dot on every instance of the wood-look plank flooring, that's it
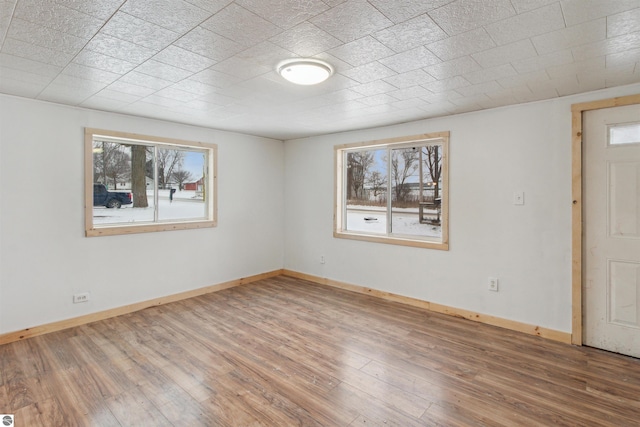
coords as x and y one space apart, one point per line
286 352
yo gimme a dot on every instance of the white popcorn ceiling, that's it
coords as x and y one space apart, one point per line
212 62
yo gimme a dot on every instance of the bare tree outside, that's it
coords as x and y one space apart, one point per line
168 162
358 164
404 162
432 158
377 182
138 176
112 163
181 176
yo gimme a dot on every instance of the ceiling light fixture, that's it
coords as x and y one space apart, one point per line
305 71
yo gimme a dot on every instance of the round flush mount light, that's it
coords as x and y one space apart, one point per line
305 71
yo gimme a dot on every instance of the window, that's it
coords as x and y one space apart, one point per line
622 134
394 191
137 184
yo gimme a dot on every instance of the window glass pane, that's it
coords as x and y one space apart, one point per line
413 193
181 184
624 134
366 191
113 198
394 191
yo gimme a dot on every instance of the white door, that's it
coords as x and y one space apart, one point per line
611 176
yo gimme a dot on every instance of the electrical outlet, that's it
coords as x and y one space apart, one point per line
83 297
321 259
492 284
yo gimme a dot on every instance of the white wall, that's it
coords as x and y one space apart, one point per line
493 154
44 256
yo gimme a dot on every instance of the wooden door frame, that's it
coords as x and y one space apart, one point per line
577 225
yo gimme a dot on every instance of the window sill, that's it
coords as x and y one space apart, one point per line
395 240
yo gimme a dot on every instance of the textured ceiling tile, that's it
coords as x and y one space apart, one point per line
543 61
305 40
130 89
410 78
61 94
455 67
476 89
103 103
215 78
58 17
361 51
463 15
115 95
121 49
607 47
527 5
369 72
401 10
411 103
163 71
240 25
102 9
446 84
162 101
529 24
374 88
138 31
619 76
29 65
26 77
44 37
209 44
241 68
181 58
382 99
176 15
624 23
219 99
194 86
20 88
625 58
90 73
572 36
594 65
464 44
78 83
266 54
522 79
411 60
578 11
285 14
505 54
145 80
37 53
177 94
6 12
418 31
212 6
488 74
352 20
104 62
409 92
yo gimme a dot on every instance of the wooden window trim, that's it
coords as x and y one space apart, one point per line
111 230
338 232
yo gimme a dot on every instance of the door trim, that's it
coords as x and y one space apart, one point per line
577 226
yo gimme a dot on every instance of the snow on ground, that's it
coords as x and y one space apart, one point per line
373 219
185 205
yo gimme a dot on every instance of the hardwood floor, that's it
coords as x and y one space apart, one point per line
286 352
